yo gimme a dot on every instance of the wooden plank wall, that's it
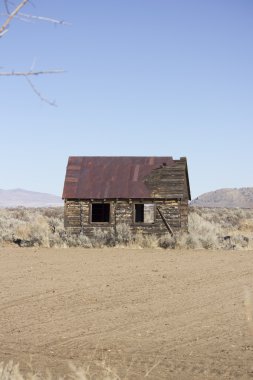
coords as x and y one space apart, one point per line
77 217
167 181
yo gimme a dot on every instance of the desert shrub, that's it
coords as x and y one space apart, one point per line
202 233
84 241
226 218
53 212
236 224
239 241
35 233
103 238
20 224
144 240
150 241
187 241
19 213
167 241
27 226
209 242
55 224
37 227
74 240
123 234
207 229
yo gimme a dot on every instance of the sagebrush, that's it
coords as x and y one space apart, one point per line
208 228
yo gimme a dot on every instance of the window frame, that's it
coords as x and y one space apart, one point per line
110 213
134 213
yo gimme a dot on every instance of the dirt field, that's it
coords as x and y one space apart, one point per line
152 314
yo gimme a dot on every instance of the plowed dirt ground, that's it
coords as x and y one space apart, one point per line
152 314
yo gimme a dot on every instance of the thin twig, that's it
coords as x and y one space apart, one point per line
51 103
28 18
29 73
42 18
6 6
4 27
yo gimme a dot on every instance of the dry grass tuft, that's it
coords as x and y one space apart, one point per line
11 371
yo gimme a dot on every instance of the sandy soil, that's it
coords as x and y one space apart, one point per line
147 313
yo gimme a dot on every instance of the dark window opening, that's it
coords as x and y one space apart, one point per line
139 213
100 213
144 213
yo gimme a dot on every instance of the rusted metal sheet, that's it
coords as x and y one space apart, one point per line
114 177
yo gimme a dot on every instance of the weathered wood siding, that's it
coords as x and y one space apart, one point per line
77 216
172 182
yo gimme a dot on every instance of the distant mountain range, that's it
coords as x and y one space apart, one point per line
25 198
229 198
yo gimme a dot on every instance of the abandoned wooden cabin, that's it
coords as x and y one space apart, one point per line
149 194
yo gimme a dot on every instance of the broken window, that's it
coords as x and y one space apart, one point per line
100 213
144 213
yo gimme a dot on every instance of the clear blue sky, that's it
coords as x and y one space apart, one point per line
143 77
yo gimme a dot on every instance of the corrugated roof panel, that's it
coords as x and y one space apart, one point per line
111 177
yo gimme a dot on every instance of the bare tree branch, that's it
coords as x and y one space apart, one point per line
51 103
42 18
5 25
26 17
29 18
29 73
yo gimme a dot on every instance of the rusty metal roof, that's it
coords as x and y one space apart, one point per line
112 177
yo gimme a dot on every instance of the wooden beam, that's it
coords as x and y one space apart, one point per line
165 221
